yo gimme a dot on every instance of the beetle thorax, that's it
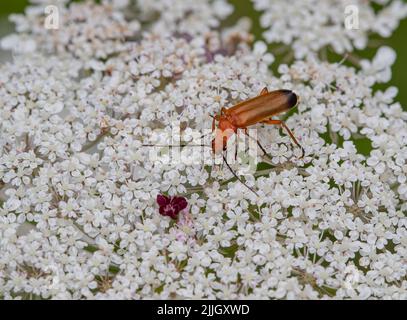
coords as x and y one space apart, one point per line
225 124
225 130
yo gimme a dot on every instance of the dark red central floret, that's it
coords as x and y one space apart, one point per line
171 206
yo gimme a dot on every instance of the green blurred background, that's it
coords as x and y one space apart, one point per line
245 8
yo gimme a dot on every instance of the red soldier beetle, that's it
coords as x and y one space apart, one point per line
256 110
259 109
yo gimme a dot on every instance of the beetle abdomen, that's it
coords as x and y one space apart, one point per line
292 98
262 107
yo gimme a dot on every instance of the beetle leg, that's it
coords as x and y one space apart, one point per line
258 143
215 118
283 125
264 91
236 149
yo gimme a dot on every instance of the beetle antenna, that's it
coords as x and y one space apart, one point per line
176 146
238 178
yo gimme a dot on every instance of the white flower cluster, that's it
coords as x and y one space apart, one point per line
86 30
78 211
184 17
307 26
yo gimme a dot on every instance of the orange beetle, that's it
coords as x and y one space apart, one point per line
247 113
256 110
